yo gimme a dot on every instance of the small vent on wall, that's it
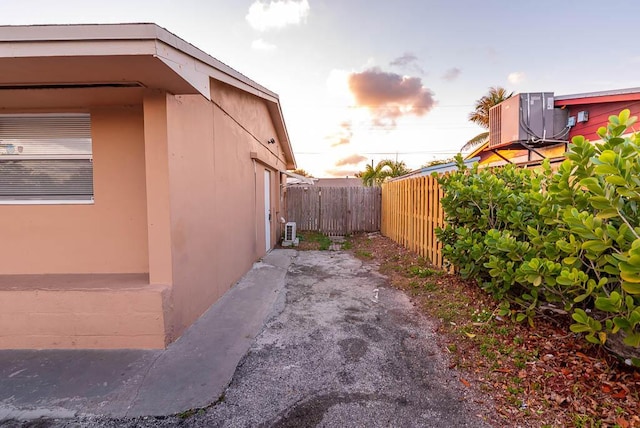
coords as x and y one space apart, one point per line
495 126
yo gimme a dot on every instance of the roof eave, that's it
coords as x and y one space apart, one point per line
477 151
130 32
627 94
191 64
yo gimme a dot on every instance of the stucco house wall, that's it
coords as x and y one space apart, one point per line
181 143
81 313
217 194
108 236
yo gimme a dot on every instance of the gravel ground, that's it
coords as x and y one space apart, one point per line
345 350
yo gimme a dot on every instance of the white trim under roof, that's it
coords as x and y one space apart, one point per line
599 94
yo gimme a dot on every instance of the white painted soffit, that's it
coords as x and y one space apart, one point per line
185 66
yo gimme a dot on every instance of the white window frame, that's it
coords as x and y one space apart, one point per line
50 156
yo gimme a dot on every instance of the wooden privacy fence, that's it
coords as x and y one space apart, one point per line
334 210
411 212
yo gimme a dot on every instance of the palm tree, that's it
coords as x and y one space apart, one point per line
376 175
396 168
372 175
480 114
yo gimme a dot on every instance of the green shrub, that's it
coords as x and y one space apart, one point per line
567 240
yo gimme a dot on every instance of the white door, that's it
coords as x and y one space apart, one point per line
267 209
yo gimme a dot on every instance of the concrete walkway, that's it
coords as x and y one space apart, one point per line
347 350
191 373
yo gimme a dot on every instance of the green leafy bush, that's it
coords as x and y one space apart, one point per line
566 241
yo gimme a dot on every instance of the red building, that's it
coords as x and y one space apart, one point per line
530 127
598 107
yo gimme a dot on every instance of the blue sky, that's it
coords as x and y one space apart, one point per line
367 80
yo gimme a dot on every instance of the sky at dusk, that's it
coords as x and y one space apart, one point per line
360 81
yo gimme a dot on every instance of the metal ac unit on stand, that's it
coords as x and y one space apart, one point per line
528 119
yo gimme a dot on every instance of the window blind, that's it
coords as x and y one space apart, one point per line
46 157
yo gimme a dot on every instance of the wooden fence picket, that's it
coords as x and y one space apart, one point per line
335 210
411 213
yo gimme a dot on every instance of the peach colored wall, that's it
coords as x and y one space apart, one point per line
252 113
109 236
177 195
156 146
195 227
76 319
217 191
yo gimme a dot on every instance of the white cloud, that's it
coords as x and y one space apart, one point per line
261 45
277 13
516 77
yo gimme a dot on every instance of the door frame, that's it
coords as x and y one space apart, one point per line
267 209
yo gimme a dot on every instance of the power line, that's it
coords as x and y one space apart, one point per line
319 105
411 106
414 126
444 152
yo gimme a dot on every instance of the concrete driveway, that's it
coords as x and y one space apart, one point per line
341 349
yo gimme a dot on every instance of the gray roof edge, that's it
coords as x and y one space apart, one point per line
598 94
171 39
434 168
122 31
60 32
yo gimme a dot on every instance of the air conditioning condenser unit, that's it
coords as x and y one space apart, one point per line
290 234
